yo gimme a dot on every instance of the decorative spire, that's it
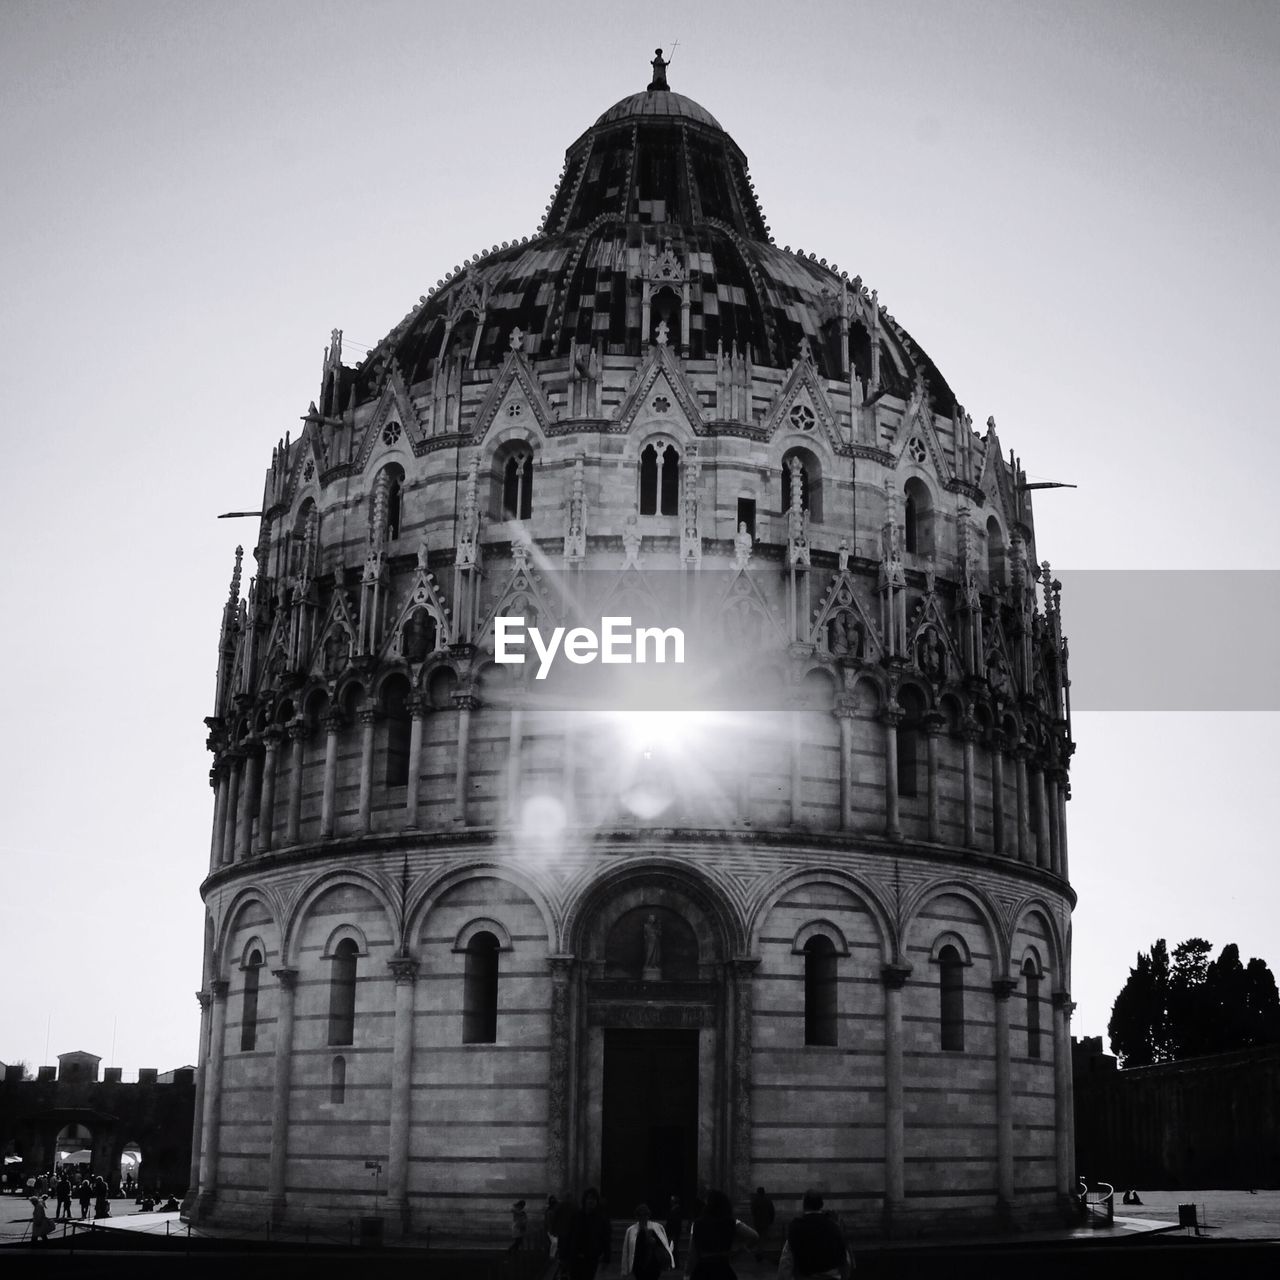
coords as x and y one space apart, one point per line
660 66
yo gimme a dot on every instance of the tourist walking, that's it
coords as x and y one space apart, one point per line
715 1235
84 1193
586 1244
646 1251
815 1245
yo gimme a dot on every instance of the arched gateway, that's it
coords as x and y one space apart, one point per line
760 914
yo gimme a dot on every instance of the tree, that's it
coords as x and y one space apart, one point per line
1193 1005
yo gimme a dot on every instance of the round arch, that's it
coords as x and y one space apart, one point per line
1036 906
783 883
917 901
223 932
424 896
321 884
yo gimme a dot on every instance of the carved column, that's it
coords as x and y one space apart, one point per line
220 772
405 970
844 714
1064 791
740 1079
1051 803
244 819
1003 988
299 732
561 1083
333 722
1062 1008
934 725
997 792
515 752
894 977
1042 824
418 709
969 733
267 805
197 1119
288 980
213 1096
892 717
466 703
795 720
369 717
235 759
1025 852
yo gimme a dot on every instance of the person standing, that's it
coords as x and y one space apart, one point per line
713 1239
675 1225
84 1193
586 1244
519 1227
762 1215
815 1245
646 1251
64 1197
102 1203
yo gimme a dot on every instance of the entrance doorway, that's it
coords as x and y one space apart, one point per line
650 1121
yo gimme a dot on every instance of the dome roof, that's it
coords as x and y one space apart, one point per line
655 175
658 102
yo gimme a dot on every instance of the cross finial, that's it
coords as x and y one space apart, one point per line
517 338
662 334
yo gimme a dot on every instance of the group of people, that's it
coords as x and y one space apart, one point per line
579 1239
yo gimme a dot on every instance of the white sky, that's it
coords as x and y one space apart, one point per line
1071 208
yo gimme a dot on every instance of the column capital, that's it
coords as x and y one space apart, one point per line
334 720
369 713
287 978
934 723
272 736
970 729
744 966
1062 1000
299 729
1023 752
404 969
844 708
418 704
205 998
891 717
219 988
465 701
894 976
1003 988
561 966
999 744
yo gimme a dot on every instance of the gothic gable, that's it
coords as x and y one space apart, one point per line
802 405
659 379
394 415
837 618
516 397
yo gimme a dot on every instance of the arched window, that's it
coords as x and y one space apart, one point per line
918 519
395 707
480 990
342 993
820 990
995 553
517 486
909 732
951 984
659 480
810 474
385 505
1031 981
338 1081
664 308
302 539
249 1011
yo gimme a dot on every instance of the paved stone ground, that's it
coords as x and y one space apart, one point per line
1228 1215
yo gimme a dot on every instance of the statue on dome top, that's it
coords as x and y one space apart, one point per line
660 66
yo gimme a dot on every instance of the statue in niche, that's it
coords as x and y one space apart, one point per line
652 946
742 547
336 650
419 636
931 654
838 635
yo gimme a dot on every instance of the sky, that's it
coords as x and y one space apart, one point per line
1070 207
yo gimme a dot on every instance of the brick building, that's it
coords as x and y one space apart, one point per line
795 914
67 1108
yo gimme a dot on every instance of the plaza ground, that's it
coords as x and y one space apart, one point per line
1240 1237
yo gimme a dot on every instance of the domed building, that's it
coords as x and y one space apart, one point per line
792 912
